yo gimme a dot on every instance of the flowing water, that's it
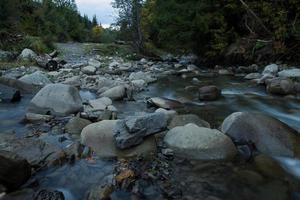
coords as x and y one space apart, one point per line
237 95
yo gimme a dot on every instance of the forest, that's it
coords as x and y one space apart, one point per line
214 30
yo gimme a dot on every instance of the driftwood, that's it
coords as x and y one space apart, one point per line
20 85
50 61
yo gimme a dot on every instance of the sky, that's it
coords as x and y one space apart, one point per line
101 8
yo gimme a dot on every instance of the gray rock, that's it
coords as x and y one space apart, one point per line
138 85
225 72
32 117
132 130
269 135
271 69
115 93
209 93
99 104
75 125
73 81
9 94
265 78
142 76
169 113
182 120
56 99
281 86
290 73
14 171
164 103
94 63
89 70
253 76
28 55
36 78
193 142
99 136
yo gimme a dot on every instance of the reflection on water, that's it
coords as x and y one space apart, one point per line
75 180
238 95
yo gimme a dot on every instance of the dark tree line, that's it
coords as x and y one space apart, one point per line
210 27
56 19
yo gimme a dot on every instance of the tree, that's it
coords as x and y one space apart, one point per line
94 21
129 21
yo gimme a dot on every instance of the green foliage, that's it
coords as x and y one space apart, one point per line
51 20
208 27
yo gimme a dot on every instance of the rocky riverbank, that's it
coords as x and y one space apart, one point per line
96 117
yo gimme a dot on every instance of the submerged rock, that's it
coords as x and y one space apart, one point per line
132 130
209 93
56 99
49 195
194 142
100 137
182 120
269 135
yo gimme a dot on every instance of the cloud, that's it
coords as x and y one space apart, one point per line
101 8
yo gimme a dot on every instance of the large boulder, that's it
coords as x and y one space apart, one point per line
115 93
290 73
100 137
182 120
199 143
36 78
281 86
271 69
28 55
132 130
14 171
209 93
56 99
269 135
